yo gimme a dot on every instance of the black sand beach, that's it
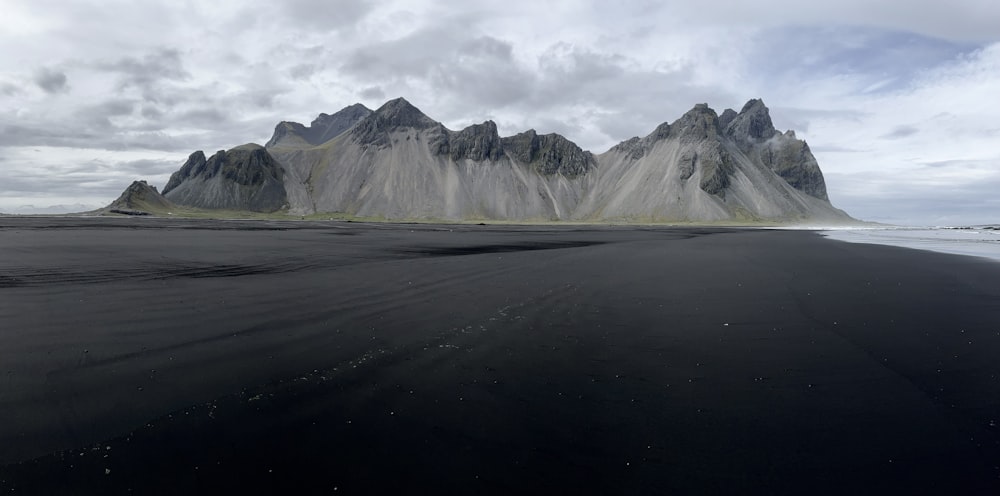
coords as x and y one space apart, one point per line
150 356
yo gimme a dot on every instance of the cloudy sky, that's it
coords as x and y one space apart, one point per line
899 100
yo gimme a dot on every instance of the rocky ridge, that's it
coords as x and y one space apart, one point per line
396 162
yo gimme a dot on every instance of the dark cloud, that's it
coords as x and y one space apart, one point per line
9 89
326 15
51 81
965 164
149 72
109 108
205 117
151 112
900 132
94 132
372 93
302 71
414 55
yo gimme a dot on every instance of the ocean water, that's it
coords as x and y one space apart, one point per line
979 241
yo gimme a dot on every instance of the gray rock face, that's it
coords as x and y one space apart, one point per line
478 142
752 124
549 154
716 169
698 124
244 178
726 118
322 129
791 159
195 166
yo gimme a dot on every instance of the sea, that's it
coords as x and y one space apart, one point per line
977 241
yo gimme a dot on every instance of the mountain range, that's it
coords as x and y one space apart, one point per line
397 163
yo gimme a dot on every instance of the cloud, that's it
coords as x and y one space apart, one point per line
69 179
302 71
900 132
51 81
9 89
148 73
322 14
372 93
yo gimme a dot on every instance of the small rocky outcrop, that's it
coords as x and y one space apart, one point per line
139 198
548 153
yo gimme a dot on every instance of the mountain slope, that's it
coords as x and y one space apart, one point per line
706 168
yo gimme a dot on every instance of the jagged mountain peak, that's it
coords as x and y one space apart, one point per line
193 166
323 128
753 123
726 117
699 123
399 112
324 119
394 114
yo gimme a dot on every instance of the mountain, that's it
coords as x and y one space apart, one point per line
139 198
244 178
397 163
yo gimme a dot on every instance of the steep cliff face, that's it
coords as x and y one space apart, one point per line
783 154
395 162
549 153
244 178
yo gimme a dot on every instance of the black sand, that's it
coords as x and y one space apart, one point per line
146 356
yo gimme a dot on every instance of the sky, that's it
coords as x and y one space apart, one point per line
898 100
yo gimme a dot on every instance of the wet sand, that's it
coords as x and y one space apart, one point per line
150 356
